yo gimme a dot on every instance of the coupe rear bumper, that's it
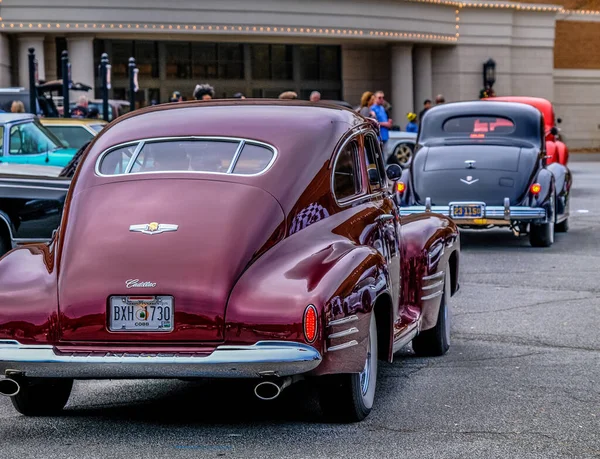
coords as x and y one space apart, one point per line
265 358
492 215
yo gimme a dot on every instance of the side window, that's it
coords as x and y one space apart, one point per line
346 172
374 163
1 140
117 160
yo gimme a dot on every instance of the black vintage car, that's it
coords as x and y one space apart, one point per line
484 165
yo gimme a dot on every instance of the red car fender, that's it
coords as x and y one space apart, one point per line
28 297
562 152
337 277
551 152
431 242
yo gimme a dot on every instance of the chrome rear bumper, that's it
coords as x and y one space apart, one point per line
493 215
265 358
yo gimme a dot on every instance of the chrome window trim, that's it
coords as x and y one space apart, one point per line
236 156
361 188
186 138
134 157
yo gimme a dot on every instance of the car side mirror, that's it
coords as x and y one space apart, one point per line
393 172
374 177
553 130
559 120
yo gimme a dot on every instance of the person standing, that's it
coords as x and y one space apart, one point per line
366 101
381 115
411 126
17 107
426 106
439 100
81 109
315 96
204 92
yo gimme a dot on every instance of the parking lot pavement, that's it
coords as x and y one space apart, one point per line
521 380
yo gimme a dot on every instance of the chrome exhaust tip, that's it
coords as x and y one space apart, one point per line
9 387
267 390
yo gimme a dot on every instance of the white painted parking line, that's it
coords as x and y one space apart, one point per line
583 211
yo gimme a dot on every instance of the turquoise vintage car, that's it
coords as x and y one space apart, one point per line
26 141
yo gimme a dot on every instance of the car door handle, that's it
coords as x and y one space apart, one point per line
385 218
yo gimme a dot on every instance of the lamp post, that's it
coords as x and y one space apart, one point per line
32 81
133 83
66 83
489 73
104 69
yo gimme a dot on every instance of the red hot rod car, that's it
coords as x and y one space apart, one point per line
228 239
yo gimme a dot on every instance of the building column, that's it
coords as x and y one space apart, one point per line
36 42
402 84
81 57
422 77
4 61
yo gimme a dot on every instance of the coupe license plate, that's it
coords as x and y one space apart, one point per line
467 211
141 313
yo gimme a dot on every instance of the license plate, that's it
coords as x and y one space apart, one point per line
467 211
141 313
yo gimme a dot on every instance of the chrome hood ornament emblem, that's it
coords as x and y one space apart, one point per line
470 163
470 180
153 228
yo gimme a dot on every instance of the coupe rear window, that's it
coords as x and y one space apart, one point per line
478 126
186 155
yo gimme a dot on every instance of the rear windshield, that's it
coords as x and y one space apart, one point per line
222 156
478 126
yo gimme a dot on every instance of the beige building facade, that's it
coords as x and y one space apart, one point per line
412 50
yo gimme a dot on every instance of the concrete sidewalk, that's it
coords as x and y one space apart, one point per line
584 156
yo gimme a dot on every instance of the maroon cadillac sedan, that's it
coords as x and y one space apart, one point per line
228 239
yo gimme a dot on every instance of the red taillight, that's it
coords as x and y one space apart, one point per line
535 188
400 187
310 323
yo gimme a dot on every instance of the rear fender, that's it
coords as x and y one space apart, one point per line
431 243
28 297
546 179
342 280
562 153
563 181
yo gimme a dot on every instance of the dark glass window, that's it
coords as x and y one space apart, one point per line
179 62
61 45
204 58
271 62
75 136
478 126
99 49
146 58
319 62
345 176
122 50
374 161
231 61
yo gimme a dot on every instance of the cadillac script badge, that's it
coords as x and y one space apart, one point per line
153 228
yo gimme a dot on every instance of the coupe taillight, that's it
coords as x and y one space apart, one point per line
310 323
535 188
400 187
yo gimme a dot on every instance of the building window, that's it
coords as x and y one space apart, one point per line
231 61
121 51
205 62
146 58
218 60
179 62
319 62
61 45
272 62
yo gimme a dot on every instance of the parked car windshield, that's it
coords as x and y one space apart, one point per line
478 126
74 136
202 155
32 138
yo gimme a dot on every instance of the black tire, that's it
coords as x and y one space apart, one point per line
543 235
436 341
345 398
42 397
562 227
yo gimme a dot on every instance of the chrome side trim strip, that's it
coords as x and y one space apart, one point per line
434 276
407 338
283 358
339 347
347 332
432 286
433 295
343 320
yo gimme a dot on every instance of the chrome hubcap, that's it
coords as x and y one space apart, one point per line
365 375
403 153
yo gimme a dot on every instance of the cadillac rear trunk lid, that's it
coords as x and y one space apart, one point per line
172 248
485 173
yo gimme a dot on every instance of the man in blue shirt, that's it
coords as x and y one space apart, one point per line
384 123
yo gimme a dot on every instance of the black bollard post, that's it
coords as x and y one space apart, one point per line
104 75
66 76
132 83
32 83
